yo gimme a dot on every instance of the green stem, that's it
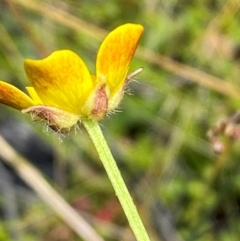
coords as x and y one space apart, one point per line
115 177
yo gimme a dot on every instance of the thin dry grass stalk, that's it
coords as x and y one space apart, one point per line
36 181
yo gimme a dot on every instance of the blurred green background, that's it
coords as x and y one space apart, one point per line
190 51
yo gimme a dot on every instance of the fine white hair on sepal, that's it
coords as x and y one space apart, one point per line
46 129
115 111
37 120
134 80
128 91
63 135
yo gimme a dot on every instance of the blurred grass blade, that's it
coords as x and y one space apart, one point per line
36 181
190 73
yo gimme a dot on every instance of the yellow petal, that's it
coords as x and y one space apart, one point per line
61 80
31 91
11 96
115 55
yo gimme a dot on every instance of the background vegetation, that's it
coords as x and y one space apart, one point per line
190 52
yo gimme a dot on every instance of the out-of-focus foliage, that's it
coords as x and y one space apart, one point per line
183 190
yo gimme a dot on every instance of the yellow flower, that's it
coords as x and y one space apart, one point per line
63 91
